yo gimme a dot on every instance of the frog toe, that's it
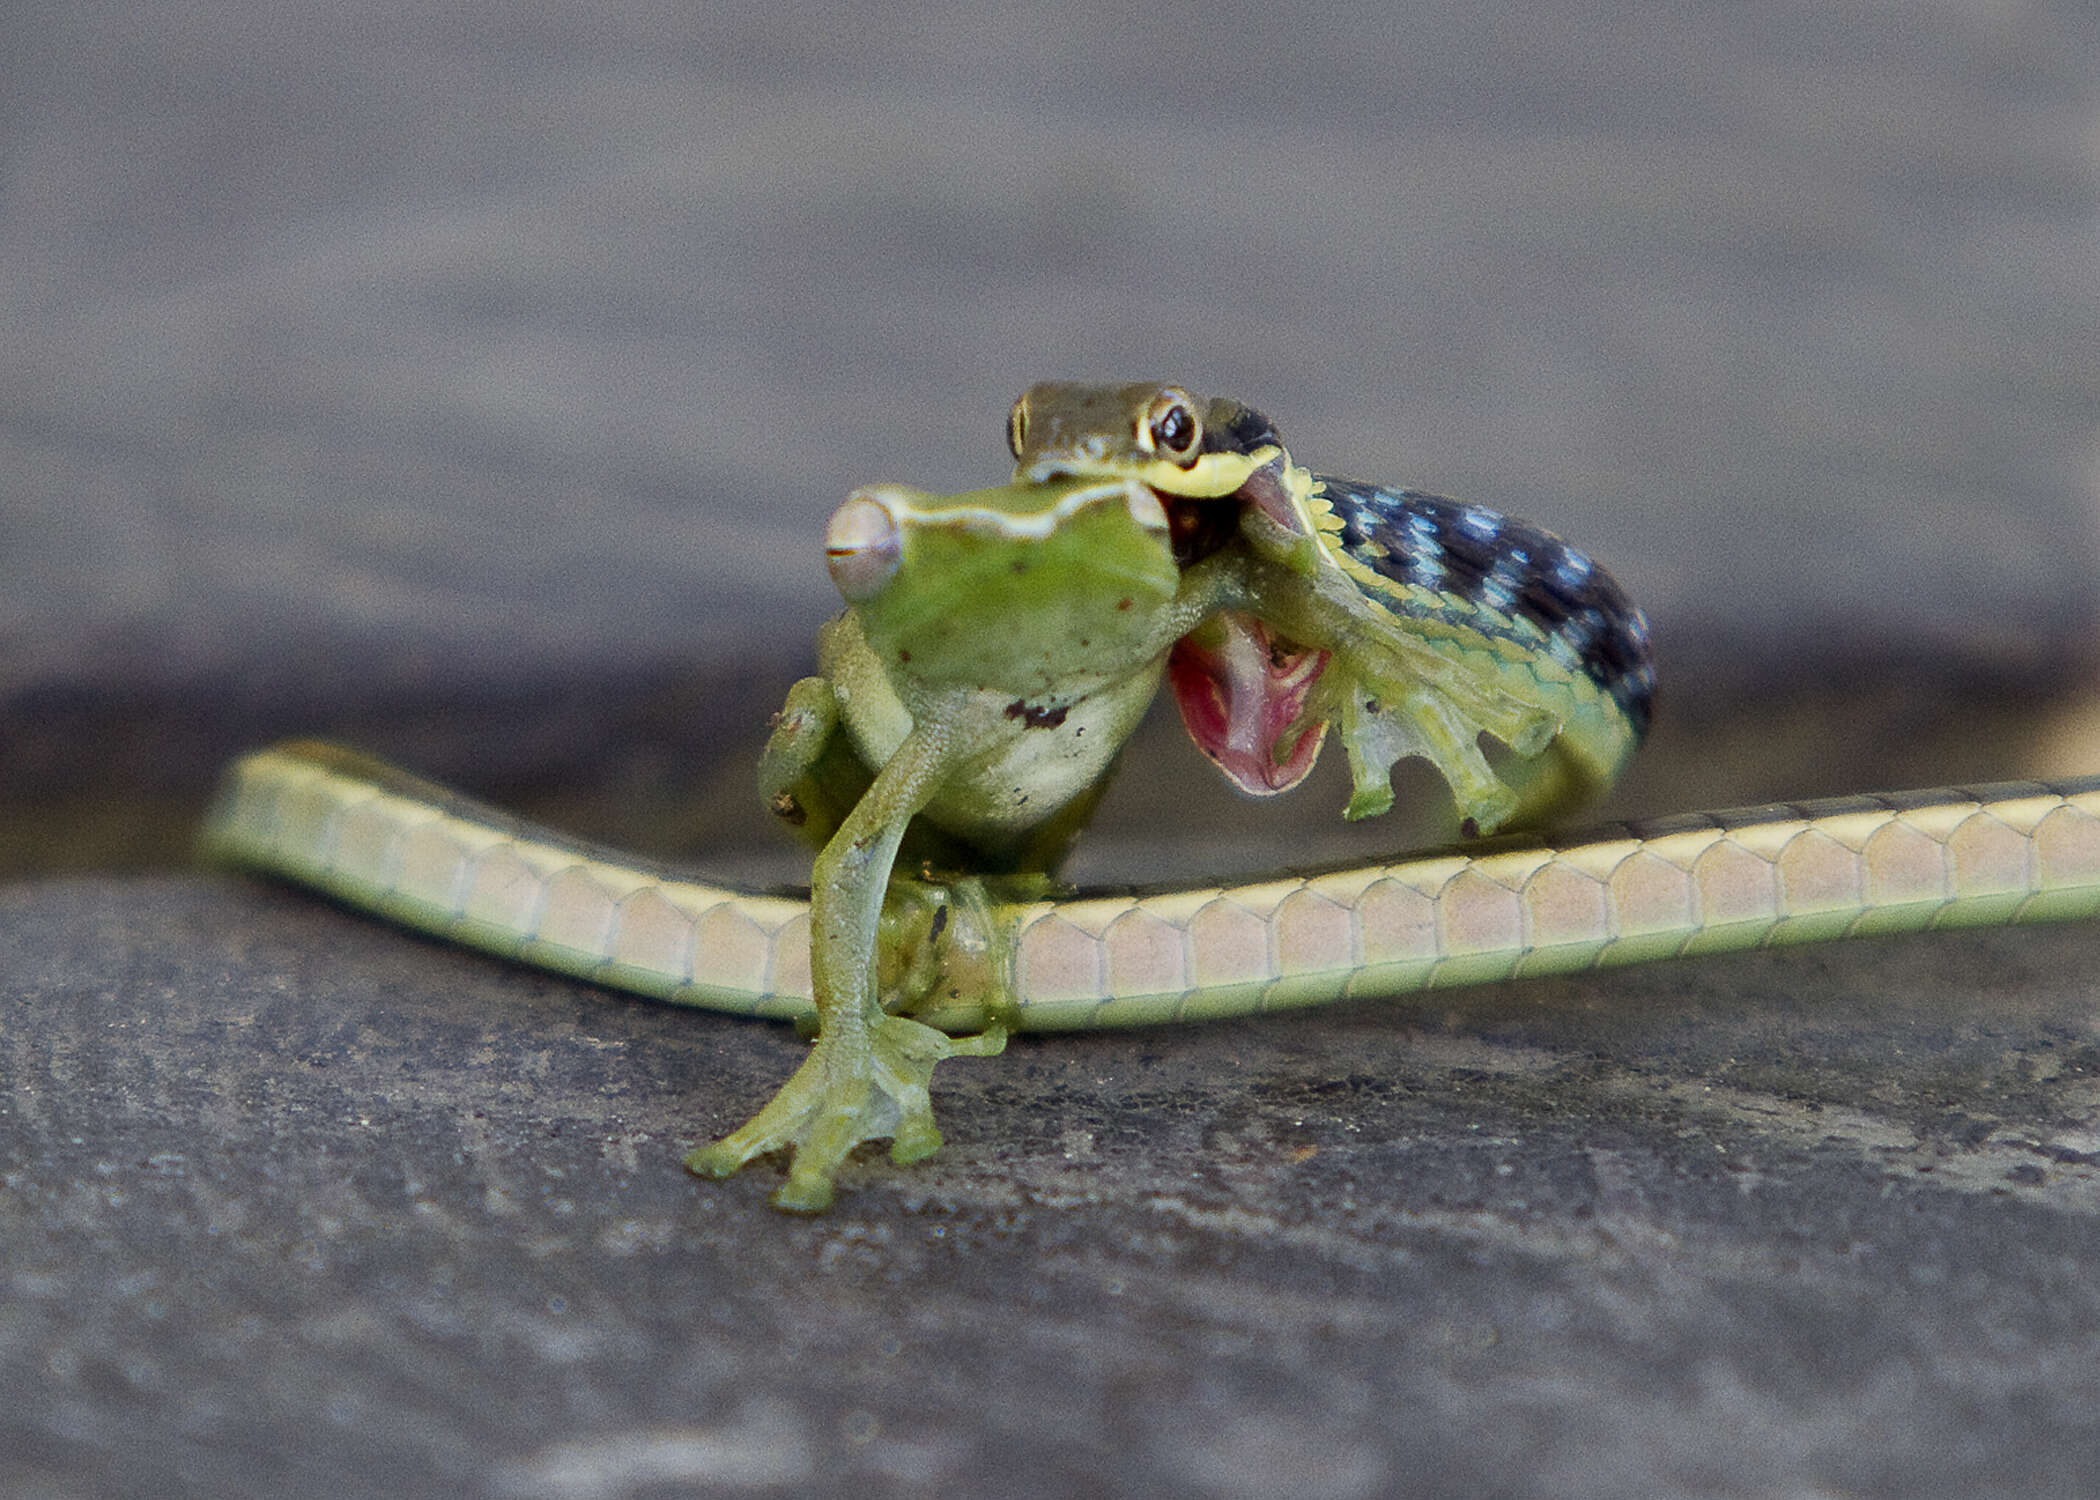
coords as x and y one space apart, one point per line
862 1086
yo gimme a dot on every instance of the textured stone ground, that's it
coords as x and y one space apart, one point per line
475 387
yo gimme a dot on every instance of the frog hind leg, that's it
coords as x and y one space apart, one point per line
857 1084
943 954
868 1073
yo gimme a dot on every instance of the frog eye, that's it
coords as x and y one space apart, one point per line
1172 429
862 547
1017 427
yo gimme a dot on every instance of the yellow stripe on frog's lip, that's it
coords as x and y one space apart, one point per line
379 839
957 513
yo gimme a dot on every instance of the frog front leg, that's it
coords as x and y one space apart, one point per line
808 776
867 1075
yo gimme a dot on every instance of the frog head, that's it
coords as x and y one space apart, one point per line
1026 588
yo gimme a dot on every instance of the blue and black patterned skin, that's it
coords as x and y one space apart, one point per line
1469 565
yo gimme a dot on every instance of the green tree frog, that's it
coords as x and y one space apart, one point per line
998 647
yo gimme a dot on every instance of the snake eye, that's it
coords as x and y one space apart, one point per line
1017 427
1172 428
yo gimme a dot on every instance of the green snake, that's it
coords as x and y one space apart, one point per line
997 649
384 841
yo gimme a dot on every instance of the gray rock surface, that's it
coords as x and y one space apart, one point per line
473 384
294 1204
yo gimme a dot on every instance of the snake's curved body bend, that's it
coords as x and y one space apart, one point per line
381 840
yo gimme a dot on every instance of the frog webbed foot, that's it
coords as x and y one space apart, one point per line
858 1084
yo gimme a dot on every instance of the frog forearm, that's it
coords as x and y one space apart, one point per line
383 841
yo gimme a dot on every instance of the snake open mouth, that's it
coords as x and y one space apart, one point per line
1199 527
1242 694
1241 689
1202 525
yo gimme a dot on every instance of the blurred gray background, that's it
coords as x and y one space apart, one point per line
473 382
476 381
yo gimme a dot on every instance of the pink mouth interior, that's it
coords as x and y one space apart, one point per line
1242 696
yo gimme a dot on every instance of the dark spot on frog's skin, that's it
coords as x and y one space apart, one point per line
788 810
940 925
903 656
1469 829
1033 717
1122 604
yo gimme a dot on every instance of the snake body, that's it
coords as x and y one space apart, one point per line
381 840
